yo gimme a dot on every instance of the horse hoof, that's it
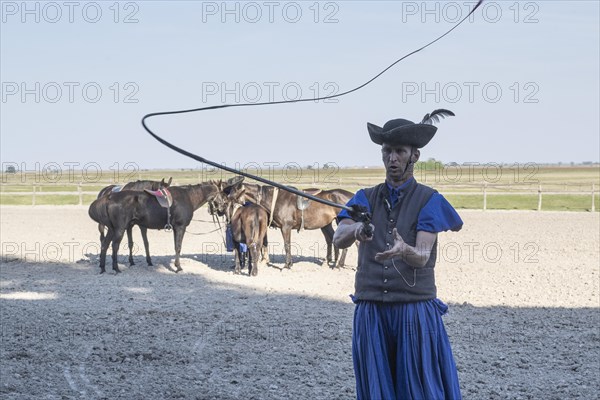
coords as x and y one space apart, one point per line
178 270
102 271
150 264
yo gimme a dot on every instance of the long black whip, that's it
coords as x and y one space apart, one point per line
359 214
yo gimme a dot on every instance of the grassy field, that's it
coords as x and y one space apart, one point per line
507 187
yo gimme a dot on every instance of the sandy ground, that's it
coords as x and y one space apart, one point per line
523 290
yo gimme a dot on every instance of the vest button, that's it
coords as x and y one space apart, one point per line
385 291
386 267
385 281
391 220
390 232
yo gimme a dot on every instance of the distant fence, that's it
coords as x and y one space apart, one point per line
37 193
489 190
485 190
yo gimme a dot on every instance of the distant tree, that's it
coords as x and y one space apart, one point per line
11 169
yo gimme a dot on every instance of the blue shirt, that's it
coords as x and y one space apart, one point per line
438 215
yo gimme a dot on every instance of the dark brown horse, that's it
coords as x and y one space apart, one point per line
287 216
139 186
248 224
127 208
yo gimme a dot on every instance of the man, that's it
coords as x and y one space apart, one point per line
399 345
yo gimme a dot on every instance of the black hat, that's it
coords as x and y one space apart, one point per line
403 131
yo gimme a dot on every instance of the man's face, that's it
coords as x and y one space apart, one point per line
395 158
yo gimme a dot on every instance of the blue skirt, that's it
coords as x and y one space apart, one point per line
402 351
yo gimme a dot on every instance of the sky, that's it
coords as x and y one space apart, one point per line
77 77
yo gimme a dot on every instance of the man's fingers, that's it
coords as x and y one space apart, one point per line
384 255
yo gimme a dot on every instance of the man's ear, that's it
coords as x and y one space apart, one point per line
415 155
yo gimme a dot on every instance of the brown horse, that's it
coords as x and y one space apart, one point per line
339 196
287 216
248 224
128 208
139 186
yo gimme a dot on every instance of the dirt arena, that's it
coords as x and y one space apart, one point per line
523 290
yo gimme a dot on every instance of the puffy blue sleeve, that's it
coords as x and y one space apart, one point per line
438 216
359 198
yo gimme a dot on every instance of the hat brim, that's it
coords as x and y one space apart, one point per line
417 135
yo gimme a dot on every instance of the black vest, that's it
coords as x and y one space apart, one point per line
394 280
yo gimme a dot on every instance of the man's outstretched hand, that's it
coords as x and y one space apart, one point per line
397 249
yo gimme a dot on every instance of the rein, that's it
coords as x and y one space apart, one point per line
204 233
356 212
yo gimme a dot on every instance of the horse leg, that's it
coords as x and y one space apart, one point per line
243 255
264 250
237 254
104 248
144 231
328 233
101 230
130 244
254 257
118 236
178 233
342 261
286 232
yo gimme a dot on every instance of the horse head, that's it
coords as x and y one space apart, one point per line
225 201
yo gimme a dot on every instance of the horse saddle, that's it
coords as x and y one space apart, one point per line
302 202
163 196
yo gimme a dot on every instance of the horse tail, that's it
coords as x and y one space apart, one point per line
98 211
252 231
251 223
